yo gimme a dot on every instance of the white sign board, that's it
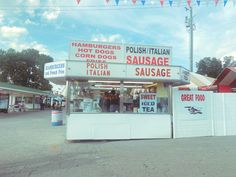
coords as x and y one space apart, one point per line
120 53
151 72
98 59
147 55
96 70
148 103
91 60
192 113
191 105
87 105
55 69
96 52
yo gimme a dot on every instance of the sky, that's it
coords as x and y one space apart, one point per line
50 25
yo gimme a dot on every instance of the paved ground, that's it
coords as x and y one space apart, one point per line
30 146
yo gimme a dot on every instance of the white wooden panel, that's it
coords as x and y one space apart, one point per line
230 113
118 126
218 114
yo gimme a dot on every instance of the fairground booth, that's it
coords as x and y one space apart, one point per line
117 91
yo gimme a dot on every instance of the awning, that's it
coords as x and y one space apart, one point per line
227 77
7 88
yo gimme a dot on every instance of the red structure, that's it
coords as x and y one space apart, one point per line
224 83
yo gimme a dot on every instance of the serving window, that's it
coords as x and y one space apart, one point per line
118 97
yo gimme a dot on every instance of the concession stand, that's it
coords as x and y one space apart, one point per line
117 91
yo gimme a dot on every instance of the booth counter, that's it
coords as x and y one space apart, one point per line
125 97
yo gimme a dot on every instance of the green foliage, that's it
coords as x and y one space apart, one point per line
24 68
212 67
229 62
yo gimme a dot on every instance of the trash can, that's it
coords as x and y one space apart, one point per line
57 118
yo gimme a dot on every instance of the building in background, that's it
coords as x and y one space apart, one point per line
19 98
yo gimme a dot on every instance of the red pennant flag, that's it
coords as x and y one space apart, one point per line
189 2
216 2
134 1
162 2
78 1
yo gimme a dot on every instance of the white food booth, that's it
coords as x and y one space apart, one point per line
117 91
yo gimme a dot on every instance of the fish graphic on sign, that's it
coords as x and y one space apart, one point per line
193 110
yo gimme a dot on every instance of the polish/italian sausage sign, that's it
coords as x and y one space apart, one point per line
137 60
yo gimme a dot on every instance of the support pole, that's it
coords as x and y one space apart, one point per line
191 39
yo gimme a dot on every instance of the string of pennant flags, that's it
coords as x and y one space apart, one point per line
143 2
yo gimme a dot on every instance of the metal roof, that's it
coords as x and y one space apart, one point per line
16 88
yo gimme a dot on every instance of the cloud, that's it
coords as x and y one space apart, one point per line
1 17
25 45
51 15
216 37
108 38
59 55
12 32
31 6
225 14
30 22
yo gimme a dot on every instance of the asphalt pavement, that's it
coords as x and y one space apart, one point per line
31 147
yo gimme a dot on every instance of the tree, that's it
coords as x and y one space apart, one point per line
210 67
228 61
24 68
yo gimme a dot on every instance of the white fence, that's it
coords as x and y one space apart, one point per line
201 113
224 113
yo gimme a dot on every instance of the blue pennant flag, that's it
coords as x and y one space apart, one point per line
170 2
198 2
225 2
143 2
117 2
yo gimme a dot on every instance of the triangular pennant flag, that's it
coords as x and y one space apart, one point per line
162 2
107 1
225 2
143 2
198 2
216 2
189 2
171 2
78 1
134 1
117 2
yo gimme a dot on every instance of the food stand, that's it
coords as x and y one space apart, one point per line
117 91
